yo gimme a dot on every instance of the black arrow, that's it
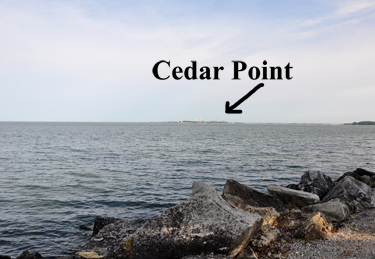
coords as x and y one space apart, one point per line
231 109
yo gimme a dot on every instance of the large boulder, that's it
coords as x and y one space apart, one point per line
314 181
203 224
357 195
101 222
110 237
293 198
5 257
316 228
245 198
360 175
333 210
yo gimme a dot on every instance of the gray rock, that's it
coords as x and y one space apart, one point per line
101 222
242 197
352 174
357 195
203 224
293 198
251 197
314 181
316 228
333 210
110 237
367 179
27 255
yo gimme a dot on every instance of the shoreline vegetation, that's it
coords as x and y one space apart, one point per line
317 217
361 123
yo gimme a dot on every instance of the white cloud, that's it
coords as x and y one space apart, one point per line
60 53
350 7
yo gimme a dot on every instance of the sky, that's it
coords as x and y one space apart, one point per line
92 60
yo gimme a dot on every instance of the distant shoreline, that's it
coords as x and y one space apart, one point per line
361 123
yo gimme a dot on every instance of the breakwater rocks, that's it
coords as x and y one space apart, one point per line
240 223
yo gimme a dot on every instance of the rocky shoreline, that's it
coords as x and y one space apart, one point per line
316 217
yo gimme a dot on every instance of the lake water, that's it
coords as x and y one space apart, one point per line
55 178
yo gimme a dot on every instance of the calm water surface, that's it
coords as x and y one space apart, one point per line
56 177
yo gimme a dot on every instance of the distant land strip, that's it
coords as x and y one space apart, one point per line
225 122
361 123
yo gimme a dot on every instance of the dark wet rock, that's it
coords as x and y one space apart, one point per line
316 227
66 257
314 181
245 198
202 225
367 179
357 195
101 222
110 237
247 253
362 172
5 257
27 255
293 198
334 210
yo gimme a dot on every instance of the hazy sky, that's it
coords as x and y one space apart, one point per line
92 60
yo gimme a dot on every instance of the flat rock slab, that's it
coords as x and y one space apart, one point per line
251 197
242 197
293 198
203 224
357 195
333 210
110 237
